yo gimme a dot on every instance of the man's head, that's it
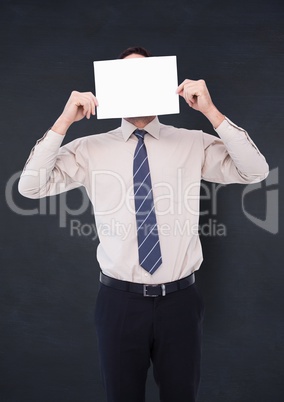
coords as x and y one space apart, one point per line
135 51
131 53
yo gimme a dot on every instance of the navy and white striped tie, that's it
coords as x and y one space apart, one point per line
147 231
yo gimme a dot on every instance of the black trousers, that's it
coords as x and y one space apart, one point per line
134 330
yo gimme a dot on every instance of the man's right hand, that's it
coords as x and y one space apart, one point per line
78 106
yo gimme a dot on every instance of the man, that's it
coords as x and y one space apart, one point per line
146 314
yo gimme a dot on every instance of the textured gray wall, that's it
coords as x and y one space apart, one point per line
49 278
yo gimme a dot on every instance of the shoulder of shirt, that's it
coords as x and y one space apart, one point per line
166 130
115 134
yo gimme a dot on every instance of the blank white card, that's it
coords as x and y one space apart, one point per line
136 87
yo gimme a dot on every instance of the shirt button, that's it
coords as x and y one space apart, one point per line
146 274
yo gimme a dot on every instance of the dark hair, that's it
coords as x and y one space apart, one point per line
135 50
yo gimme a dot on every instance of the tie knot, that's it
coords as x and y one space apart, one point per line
140 133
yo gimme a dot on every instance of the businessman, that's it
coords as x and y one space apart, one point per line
145 176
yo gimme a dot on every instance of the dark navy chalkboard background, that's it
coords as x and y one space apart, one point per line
49 273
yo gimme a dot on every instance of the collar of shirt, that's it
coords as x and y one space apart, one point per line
153 128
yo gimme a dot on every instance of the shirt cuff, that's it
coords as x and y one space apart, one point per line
227 130
52 140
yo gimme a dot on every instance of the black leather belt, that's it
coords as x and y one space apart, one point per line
147 290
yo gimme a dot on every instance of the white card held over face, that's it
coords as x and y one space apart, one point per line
136 87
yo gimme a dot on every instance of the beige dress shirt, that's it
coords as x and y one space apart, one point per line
178 160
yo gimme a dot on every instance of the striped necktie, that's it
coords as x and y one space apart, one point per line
147 231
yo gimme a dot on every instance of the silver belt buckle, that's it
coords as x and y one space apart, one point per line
145 287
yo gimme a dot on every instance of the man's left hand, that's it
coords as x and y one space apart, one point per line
197 96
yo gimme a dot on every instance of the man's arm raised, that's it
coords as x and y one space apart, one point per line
246 164
51 169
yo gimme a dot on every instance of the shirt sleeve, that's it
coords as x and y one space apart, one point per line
51 169
232 158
